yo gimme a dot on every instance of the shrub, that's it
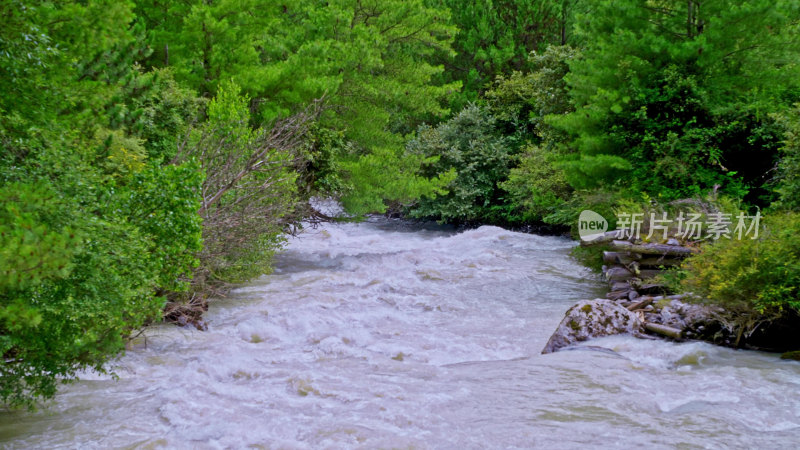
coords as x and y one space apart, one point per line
522 100
93 228
537 187
81 266
753 279
468 144
249 189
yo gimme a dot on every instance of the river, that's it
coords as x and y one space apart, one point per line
386 335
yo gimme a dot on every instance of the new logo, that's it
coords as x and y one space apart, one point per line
591 225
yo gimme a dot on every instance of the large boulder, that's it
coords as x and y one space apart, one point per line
592 319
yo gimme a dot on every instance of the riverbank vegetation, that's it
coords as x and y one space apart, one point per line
155 152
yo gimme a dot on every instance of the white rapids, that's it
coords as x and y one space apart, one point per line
387 335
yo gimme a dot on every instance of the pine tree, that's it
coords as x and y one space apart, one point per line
673 97
495 38
371 60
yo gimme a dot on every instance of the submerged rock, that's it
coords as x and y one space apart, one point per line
592 319
795 355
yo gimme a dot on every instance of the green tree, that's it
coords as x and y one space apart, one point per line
522 100
672 98
495 38
537 187
92 231
469 145
249 191
371 60
789 174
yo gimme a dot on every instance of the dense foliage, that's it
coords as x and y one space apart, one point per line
751 277
537 187
469 145
248 191
154 150
789 168
495 37
674 99
372 61
93 230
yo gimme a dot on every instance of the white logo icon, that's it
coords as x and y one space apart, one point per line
591 225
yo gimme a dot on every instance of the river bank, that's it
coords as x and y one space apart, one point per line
639 303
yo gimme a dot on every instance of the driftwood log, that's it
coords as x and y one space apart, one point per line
626 258
663 330
640 304
647 273
619 295
618 273
654 249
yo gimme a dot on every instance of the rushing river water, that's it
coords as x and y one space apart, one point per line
382 335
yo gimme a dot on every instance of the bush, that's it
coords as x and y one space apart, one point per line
537 187
753 279
468 144
81 266
249 191
522 100
93 228
674 111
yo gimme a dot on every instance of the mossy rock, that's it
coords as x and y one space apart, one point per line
795 355
592 319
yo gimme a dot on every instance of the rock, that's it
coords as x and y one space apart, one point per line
678 314
791 355
617 274
696 321
618 295
592 319
620 286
